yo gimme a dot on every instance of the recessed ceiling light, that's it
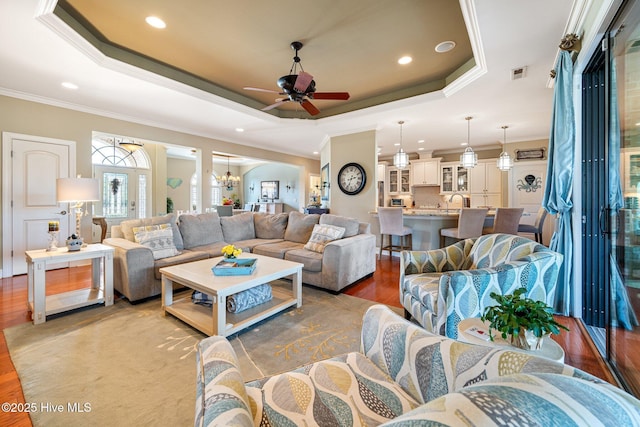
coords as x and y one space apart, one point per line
155 22
239 130
405 60
397 144
69 85
315 152
420 148
464 144
421 141
445 46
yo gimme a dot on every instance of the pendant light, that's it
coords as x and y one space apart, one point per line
401 159
504 161
228 180
468 159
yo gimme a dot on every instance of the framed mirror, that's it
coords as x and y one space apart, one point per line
270 190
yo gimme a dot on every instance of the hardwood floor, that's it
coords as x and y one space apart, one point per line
382 287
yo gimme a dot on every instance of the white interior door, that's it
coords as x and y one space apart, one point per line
30 172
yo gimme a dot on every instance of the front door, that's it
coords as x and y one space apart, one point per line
31 166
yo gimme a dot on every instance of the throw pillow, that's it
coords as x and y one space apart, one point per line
127 227
351 225
323 234
158 238
300 226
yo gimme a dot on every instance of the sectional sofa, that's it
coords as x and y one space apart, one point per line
143 246
406 376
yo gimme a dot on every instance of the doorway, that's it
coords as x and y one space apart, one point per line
29 203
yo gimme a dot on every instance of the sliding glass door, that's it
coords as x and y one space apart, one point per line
623 63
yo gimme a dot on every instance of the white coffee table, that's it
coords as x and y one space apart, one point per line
550 349
198 275
101 290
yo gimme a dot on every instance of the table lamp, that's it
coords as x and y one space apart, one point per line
76 191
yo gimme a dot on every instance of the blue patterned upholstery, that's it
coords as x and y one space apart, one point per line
404 375
439 288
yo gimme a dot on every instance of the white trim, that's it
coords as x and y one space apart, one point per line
7 185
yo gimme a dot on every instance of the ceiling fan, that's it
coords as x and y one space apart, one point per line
299 87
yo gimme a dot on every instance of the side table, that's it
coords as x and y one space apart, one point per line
101 290
550 349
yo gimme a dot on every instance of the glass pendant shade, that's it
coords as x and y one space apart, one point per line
469 159
504 161
401 159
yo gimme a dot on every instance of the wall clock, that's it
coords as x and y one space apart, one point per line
352 178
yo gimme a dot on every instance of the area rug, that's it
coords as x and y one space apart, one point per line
131 365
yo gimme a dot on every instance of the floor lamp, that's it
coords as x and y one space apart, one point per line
77 191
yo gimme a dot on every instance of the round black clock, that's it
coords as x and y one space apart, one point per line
352 178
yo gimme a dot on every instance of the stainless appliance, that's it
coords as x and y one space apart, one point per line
397 203
381 193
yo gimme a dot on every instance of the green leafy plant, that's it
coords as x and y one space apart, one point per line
515 315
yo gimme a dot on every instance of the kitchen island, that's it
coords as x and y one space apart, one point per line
426 225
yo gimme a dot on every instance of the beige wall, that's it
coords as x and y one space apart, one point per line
38 119
359 148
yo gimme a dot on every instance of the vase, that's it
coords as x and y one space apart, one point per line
526 341
229 257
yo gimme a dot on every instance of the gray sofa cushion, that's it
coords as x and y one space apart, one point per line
185 256
270 226
200 230
300 226
312 260
238 227
276 250
351 225
127 227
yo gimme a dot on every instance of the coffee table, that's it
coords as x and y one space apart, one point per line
215 320
550 349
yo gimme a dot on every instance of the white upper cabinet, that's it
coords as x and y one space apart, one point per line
425 172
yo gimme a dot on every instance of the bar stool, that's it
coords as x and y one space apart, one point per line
506 221
391 224
470 224
536 228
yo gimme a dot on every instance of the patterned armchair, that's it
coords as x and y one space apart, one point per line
441 287
404 375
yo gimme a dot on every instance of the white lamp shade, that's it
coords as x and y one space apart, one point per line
77 190
469 159
504 161
401 159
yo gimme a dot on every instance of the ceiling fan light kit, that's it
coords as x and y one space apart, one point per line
299 86
468 159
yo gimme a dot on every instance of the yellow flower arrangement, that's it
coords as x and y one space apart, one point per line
231 251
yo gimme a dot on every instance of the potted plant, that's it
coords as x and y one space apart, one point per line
525 322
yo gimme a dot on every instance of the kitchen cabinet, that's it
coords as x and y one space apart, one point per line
381 171
270 207
485 184
425 172
399 181
453 178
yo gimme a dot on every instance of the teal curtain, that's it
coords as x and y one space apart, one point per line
558 190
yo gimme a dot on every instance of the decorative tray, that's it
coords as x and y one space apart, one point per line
235 267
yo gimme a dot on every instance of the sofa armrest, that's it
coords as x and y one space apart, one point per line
428 366
221 397
132 264
346 260
475 286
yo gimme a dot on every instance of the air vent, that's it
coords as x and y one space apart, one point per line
518 73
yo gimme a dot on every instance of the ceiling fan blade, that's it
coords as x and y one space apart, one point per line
311 109
274 105
330 95
302 82
257 89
